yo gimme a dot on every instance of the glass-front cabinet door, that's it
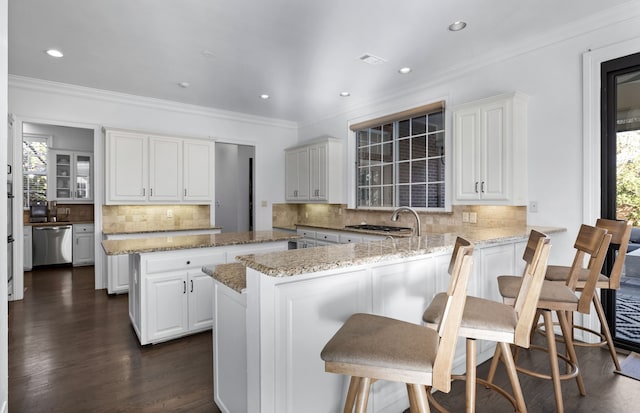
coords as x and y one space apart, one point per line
63 176
83 178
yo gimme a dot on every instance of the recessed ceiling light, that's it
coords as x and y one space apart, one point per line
457 26
345 94
208 54
184 85
264 96
404 70
54 53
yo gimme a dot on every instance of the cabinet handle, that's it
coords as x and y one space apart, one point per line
476 187
185 192
482 187
184 287
191 285
143 192
188 262
151 192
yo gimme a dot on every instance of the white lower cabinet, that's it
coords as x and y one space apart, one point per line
167 306
83 245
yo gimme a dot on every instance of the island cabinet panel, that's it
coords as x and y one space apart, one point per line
167 305
200 306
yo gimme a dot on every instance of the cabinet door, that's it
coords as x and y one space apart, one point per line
297 174
83 253
318 172
83 176
127 166
199 172
167 310
200 301
467 143
27 248
61 186
494 152
117 274
165 169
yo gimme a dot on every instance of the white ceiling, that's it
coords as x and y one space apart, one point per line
301 52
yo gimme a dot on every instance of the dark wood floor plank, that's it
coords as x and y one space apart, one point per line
72 349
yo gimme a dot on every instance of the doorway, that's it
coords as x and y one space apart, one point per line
621 188
234 205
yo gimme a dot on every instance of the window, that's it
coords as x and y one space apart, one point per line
401 161
35 150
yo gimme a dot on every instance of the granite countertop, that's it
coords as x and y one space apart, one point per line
293 262
53 224
233 275
403 233
155 244
115 230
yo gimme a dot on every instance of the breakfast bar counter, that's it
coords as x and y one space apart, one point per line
268 336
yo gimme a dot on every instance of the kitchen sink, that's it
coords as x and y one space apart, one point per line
382 228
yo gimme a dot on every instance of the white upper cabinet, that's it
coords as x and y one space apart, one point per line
489 146
144 168
315 172
199 170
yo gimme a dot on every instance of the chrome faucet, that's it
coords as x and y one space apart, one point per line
397 212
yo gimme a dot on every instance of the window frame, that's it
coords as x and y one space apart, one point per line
48 139
352 153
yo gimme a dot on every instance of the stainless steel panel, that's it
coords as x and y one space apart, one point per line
52 245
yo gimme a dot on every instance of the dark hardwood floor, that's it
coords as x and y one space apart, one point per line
72 349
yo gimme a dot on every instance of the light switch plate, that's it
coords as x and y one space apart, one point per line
473 217
465 217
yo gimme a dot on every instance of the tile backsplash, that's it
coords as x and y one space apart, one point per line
131 218
338 215
69 212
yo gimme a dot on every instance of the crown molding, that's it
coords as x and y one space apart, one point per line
57 88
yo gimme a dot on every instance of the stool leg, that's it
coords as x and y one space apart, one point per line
513 377
364 386
568 341
420 396
412 398
553 359
605 329
471 376
494 365
351 394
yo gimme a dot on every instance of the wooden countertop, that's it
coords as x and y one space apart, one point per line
308 260
155 244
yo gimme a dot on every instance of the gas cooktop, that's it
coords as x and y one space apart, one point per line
383 228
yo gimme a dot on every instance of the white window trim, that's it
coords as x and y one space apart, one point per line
37 136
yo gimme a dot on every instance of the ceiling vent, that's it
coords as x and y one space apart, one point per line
372 59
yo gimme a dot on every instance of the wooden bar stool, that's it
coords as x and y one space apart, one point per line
620 233
370 347
562 299
506 324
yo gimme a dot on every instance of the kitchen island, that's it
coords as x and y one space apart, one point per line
169 296
269 332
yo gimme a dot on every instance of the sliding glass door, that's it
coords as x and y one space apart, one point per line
621 188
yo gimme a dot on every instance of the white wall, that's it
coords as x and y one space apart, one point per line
29 98
552 77
63 137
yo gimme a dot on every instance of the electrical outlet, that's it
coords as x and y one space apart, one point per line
465 217
263 204
473 217
169 213
533 206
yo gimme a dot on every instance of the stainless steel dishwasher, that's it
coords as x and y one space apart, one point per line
52 245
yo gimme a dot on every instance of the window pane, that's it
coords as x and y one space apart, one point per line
403 172
419 125
363 176
436 170
387 174
376 175
363 137
376 154
403 128
404 150
363 156
376 196
436 144
376 135
436 121
363 197
419 147
387 196
387 152
436 195
404 195
418 196
419 171
387 132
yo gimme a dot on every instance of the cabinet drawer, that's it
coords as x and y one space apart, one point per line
327 237
349 238
307 233
82 228
186 263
